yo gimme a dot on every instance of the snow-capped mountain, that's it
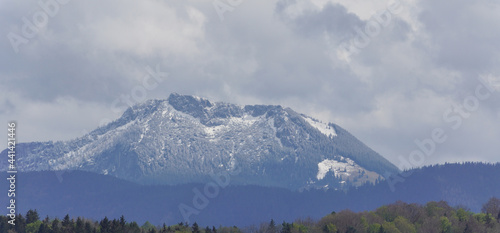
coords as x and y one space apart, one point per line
187 139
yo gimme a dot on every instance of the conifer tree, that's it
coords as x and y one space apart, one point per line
195 228
105 225
32 216
56 226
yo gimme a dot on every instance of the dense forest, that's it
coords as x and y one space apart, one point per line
400 217
95 196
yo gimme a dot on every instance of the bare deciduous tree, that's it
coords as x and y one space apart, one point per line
492 207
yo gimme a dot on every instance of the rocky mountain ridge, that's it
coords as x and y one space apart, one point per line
185 139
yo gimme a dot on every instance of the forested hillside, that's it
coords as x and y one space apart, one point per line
400 217
95 196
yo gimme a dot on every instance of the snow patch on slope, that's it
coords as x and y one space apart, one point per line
338 168
230 124
322 127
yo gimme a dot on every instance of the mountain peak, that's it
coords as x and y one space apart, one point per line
188 101
185 139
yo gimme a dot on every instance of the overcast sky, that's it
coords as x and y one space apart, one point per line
389 72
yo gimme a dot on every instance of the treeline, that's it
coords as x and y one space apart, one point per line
30 223
400 217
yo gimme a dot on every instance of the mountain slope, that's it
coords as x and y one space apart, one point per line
186 139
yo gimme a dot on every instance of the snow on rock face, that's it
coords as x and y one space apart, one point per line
347 170
231 123
192 137
335 166
322 127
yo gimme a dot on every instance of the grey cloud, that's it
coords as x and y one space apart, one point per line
394 91
333 18
464 33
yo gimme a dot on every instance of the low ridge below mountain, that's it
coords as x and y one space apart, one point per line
95 196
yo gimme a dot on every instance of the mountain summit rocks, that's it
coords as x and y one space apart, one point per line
187 139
